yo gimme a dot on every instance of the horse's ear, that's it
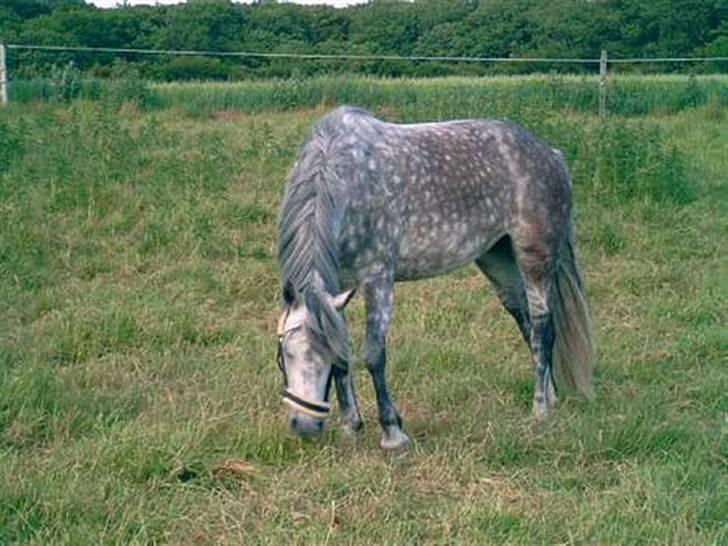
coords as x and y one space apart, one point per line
340 301
289 294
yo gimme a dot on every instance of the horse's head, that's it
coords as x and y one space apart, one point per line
311 340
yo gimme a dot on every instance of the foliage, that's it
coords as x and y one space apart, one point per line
65 83
633 162
502 96
562 28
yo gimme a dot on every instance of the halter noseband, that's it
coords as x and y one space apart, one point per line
312 408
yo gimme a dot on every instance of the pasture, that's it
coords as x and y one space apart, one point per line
138 305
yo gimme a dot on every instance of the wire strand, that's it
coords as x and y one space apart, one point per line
357 57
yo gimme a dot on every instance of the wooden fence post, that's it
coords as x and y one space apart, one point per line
3 77
603 84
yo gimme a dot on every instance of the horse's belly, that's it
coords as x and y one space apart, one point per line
428 251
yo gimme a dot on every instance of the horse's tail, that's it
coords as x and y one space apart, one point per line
574 353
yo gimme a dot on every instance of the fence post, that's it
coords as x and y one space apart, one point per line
3 77
603 84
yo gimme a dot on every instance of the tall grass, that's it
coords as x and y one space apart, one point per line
503 95
618 163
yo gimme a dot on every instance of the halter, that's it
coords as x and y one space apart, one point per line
312 408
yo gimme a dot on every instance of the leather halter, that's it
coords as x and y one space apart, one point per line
312 408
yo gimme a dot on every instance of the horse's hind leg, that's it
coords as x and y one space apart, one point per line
536 259
499 265
523 286
379 296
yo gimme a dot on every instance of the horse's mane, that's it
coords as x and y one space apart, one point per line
311 215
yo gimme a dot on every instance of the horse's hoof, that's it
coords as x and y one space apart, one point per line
540 411
395 442
553 399
352 429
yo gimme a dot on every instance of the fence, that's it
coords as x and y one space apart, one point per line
604 63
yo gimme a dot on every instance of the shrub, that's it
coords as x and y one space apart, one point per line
194 68
622 161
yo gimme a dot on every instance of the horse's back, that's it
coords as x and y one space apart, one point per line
465 184
429 197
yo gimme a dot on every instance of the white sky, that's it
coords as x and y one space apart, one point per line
113 3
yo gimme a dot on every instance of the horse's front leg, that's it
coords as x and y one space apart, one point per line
351 421
379 296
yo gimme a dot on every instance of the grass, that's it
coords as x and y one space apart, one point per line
138 295
498 95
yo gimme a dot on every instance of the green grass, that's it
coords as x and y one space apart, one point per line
138 389
497 95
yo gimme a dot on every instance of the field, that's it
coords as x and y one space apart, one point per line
139 297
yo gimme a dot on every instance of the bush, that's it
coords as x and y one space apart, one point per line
131 89
622 161
194 68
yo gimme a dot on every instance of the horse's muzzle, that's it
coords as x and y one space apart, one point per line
304 425
306 417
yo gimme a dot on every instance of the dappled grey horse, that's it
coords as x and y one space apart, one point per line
370 203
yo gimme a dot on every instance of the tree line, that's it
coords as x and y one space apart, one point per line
453 28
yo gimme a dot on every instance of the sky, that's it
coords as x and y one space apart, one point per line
112 3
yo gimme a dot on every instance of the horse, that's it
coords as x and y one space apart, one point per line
370 203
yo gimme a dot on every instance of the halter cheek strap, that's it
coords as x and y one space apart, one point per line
281 330
312 408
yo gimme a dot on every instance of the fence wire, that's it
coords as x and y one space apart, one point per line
589 91
358 57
